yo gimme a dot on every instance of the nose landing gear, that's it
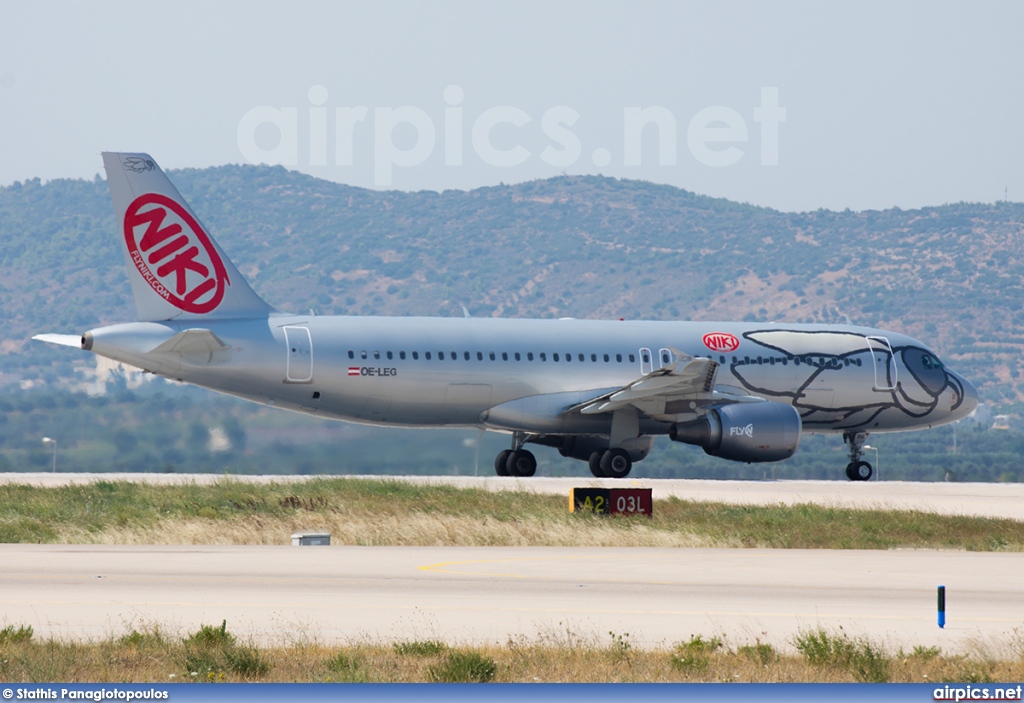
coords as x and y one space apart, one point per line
857 469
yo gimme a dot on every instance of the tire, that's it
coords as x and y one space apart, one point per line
501 463
849 472
595 465
862 471
521 463
615 463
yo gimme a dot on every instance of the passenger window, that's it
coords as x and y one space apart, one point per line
606 358
554 357
517 357
618 357
543 356
665 357
376 354
440 355
416 355
390 355
491 354
362 354
455 356
479 356
504 356
426 355
529 356
645 359
593 357
401 355
582 358
568 357
632 358
351 354
465 355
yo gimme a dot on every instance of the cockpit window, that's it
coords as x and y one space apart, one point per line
926 368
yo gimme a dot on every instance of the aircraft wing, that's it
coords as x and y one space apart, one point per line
685 377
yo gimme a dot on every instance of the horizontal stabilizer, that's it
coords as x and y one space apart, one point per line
65 340
195 341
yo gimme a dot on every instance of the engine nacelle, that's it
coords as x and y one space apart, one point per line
750 432
582 446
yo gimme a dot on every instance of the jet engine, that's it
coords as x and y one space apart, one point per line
750 432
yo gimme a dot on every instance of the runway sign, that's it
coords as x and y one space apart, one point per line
611 501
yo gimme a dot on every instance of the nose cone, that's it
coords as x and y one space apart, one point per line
968 396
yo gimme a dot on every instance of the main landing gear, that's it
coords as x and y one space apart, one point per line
516 461
857 469
611 463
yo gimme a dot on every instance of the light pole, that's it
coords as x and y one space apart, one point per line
48 440
878 472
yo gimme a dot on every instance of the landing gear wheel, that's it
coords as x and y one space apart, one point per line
595 465
501 463
521 463
859 471
615 463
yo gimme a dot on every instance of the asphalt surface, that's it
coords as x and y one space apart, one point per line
475 595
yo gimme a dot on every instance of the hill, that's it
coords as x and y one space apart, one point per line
588 247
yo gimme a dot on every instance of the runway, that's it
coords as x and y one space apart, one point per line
281 595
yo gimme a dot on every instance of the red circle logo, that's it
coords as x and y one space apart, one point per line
721 342
173 254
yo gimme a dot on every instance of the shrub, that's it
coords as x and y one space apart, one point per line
210 636
13 635
762 653
695 656
426 648
245 661
464 667
864 660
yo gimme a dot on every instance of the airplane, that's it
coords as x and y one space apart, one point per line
595 390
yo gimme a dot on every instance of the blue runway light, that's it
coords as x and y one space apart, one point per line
942 606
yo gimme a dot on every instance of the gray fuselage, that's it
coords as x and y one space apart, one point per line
431 372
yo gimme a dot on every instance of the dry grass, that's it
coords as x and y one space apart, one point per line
213 654
381 512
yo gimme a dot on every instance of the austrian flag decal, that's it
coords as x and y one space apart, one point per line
353 370
173 254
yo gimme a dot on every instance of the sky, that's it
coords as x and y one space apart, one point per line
790 105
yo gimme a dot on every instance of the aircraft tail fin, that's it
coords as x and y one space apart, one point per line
176 269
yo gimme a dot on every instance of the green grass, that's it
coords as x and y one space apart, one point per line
385 512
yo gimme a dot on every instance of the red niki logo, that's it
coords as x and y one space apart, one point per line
176 257
721 342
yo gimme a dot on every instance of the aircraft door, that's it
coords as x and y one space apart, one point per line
884 362
299 368
646 361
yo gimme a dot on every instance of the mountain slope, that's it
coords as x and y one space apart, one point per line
570 246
